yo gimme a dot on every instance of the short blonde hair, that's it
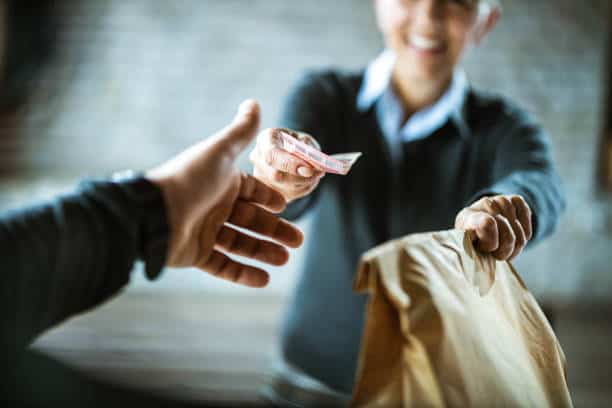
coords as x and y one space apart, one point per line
490 3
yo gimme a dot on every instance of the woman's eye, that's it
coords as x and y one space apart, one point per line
467 4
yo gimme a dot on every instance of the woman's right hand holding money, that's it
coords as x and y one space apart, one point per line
291 176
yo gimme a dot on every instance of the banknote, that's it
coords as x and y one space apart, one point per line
335 163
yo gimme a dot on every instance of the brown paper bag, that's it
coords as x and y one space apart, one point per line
448 327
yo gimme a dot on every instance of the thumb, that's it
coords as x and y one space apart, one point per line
238 134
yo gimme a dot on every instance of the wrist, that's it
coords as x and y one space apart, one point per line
173 204
148 200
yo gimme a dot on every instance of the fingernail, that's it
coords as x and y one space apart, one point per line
246 107
304 171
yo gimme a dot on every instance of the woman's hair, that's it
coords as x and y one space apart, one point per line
486 6
491 3
31 37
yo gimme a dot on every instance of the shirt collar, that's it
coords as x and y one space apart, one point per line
377 83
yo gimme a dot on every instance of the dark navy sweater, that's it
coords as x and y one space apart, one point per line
506 152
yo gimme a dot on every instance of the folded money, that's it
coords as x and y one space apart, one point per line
336 163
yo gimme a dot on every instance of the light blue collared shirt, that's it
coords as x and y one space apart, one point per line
376 90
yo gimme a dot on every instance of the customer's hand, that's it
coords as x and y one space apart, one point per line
290 175
207 197
502 224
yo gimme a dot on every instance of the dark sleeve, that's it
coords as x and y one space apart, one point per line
73 253
311 107
523 165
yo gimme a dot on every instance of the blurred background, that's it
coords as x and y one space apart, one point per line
133 82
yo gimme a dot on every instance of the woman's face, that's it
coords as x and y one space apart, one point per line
428 36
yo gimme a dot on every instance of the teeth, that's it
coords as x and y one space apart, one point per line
424 43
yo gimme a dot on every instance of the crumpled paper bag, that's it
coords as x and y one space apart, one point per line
449 327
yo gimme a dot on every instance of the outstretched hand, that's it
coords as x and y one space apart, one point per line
207 197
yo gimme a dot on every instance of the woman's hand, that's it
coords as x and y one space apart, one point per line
502 224
290 175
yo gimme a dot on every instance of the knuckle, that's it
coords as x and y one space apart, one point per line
308 139
505 204
269 156
245 213
284 165
277 176
489 224
460 220
248 184
253 248
521 205
518 199
482 202
507 245
510 240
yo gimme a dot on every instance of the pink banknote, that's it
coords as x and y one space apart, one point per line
336 163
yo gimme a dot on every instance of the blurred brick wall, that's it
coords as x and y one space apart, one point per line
152 76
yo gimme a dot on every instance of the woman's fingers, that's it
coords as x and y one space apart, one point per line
505 208
485 228
223 267
238 243
258 220
495 234
524 215
281 170
286 180
269 152
517 214
521 240
507 239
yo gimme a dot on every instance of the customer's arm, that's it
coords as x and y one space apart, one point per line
70 254
64 257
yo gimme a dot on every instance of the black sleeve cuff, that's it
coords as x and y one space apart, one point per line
153 229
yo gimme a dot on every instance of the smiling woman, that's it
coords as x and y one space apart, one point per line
429 38
438 153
